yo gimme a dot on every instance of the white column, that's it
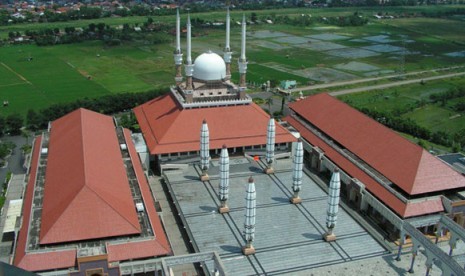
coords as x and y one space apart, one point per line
333 204
270 143
297 172
204 150
249 224
224 179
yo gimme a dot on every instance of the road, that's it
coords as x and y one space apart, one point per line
342 83
393 84
15 161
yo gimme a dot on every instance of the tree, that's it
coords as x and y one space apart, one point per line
269 102
33 120
253 17
13 123
2 125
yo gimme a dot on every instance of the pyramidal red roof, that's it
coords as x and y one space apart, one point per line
168 128
404 163
87 194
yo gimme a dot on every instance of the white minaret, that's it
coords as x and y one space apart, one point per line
270 141
189 66
333 205
227 49
297 172
249 224
204 151
243 60
177 51
224 180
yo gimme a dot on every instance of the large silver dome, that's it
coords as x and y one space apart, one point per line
209 66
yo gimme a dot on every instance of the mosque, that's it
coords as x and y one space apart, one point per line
170 123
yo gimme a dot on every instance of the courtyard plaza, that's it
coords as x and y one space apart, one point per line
288 237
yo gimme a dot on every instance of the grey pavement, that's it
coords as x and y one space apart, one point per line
288 237
172 227
16 160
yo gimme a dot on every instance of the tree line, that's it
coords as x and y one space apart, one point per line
154 32
108 104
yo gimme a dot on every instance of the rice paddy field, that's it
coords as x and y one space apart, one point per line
36 77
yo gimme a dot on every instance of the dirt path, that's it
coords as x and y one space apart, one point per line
12 71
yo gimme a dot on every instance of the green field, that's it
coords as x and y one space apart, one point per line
64 73
401 100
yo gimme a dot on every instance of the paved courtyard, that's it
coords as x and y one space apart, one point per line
288 237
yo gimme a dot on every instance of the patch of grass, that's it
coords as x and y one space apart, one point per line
405 100
445 28
437 118
260 74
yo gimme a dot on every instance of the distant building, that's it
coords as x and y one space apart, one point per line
288 84
87 203
383 174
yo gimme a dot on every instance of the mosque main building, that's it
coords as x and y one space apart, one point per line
171 123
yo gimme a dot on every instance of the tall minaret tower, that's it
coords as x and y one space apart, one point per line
177 51
242 62
227 49
189 66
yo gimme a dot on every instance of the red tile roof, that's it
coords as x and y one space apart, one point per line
86 170
168 128
401 208
404 163
157 245
37 261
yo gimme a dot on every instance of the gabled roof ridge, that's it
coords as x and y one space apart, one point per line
62 212
170 126
414 180
326 94
111 206
86 174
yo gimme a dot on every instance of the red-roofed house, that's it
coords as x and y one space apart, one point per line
403 176
85 181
